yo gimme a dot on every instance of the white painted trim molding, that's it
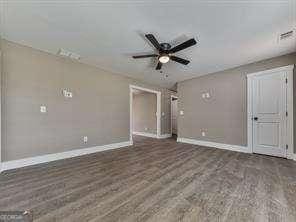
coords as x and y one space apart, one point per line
290 135
152 135
223 146
13 164
291 156
158 108
165 136
176 97
1 68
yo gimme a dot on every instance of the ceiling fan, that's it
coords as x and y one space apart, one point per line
166 51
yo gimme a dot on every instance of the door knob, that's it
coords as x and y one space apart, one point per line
255 118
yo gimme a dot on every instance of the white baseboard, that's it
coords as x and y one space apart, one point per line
145 134
13 164
292 156
165 136
237 148
152 135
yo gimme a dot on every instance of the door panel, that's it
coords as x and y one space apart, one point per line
268 134
269 114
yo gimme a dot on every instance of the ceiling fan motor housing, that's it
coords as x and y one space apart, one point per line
165 46
165 51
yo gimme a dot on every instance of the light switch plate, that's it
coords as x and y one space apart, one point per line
67 94
181 112
85 139
43 109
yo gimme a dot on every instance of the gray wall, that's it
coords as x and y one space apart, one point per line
224 116
99 108
144 112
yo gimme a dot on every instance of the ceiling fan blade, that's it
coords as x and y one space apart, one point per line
158 67
179 60
144 56
153 40
183 45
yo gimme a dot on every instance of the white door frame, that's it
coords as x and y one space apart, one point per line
176 97
289 136
158 109
1 68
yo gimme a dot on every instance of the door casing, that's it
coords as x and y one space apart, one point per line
172 96
158 109
289 123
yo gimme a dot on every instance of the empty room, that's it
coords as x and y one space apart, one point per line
148 110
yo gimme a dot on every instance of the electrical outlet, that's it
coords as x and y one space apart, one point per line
146 128
43 109
203 133
206 95
85 139
181 112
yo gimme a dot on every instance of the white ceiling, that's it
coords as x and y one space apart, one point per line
106 33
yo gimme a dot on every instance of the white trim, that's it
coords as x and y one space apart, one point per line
223 146
158 109
289 70
290 119
250 113
172 96
165 136
279 69
13 164
1 68
152 135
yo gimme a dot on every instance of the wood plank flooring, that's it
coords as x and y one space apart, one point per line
155 180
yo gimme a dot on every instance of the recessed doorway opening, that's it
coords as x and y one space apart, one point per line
174 116
145 106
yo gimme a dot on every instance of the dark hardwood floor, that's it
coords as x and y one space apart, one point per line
155 180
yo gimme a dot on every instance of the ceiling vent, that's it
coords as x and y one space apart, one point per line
65 53
286 35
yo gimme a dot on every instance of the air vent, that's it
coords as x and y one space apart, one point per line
286 35
65 53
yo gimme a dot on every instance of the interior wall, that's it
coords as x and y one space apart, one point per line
99 108
144 112
223 116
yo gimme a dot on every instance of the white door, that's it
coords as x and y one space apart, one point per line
269 113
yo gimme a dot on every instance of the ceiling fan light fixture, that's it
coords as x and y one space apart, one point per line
166 52
164 58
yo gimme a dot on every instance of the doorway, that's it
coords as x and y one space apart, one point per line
155 116
270 112
174 116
